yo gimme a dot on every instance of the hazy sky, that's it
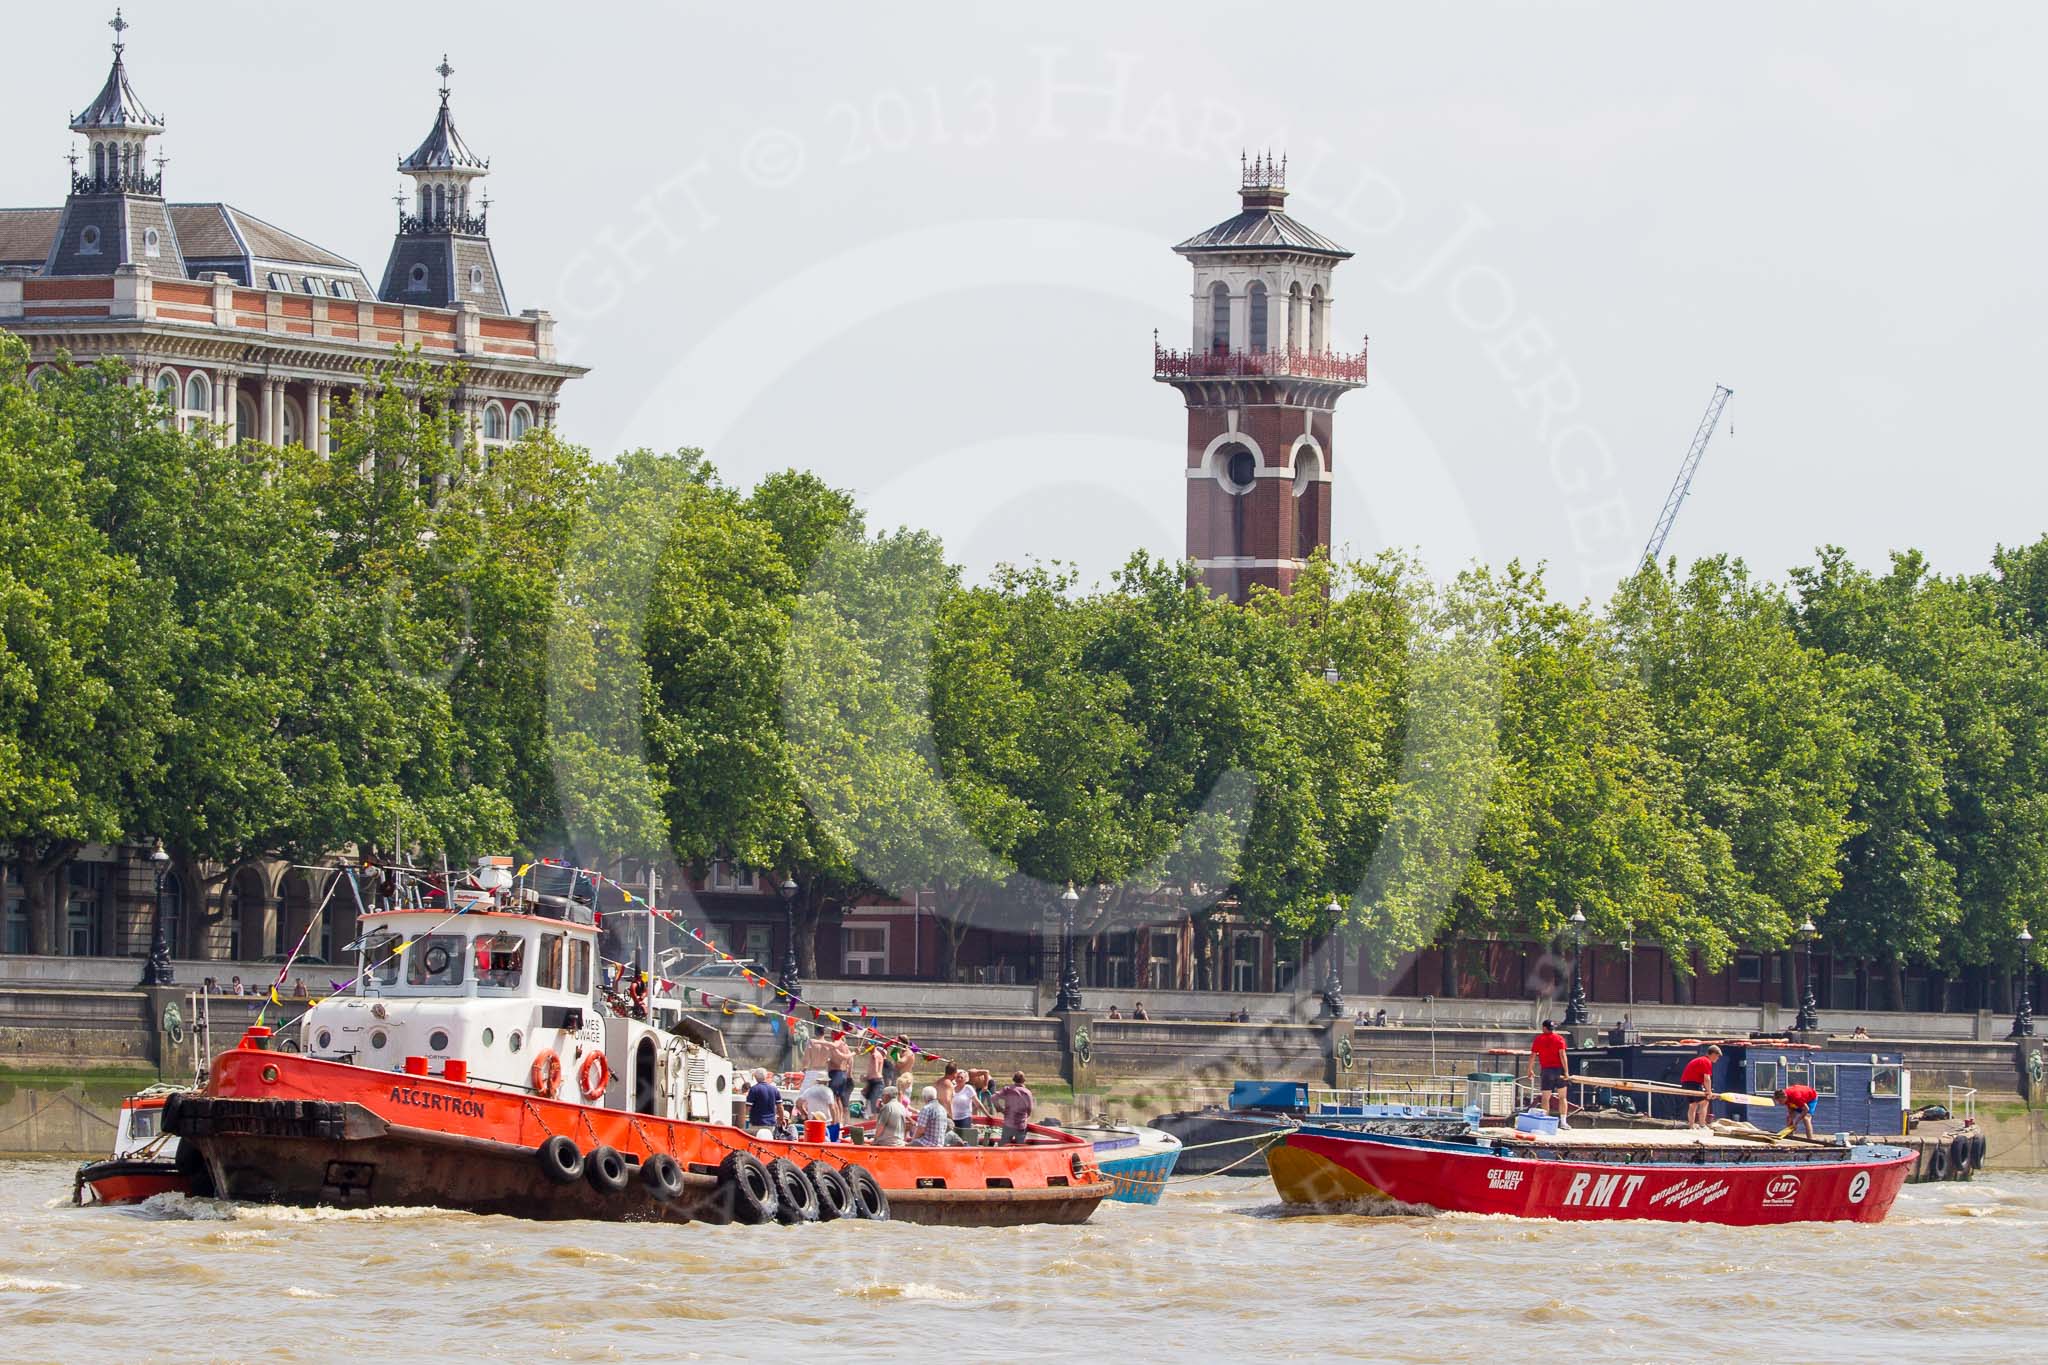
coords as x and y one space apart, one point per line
922 249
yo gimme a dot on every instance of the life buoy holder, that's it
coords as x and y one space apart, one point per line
594 1075
547 1075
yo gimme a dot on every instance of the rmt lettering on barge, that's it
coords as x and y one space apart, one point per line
422 1099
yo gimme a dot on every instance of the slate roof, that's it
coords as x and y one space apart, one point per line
116 106
25 235
1262 229
206 232
444 149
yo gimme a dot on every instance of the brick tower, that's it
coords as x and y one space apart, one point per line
1261 384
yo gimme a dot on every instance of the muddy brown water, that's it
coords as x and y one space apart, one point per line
1218 1270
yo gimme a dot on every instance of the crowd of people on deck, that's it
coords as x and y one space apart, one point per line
951 1111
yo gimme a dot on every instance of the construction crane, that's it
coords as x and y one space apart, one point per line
1680 486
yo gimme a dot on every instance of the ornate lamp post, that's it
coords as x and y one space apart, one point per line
1808 1017
158 971
791 977
2023 1016
1333 977
1070 975
1575 1008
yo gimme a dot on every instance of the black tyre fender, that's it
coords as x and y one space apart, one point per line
835 1200
606 1170
747 1192
799 1202
1937 1162
192 1165
1977 1149
559 1160
1959 1157
662 1174
868 1199
174 1104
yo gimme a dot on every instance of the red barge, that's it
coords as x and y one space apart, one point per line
473 1065
1678 1176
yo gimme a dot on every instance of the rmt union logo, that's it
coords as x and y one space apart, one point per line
1782 1190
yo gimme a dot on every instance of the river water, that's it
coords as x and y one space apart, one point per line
1216 1270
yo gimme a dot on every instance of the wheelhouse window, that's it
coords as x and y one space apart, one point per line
500 961
579 966
381 951
551 960
434 960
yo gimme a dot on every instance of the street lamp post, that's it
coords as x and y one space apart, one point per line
791 977
158 970
2023 1015
1808 1017
1333 978
1069 1000
1575 1008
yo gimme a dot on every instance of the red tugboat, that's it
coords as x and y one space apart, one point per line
1677 1176
145 1161
474 1065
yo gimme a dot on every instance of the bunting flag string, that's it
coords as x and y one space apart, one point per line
897 1047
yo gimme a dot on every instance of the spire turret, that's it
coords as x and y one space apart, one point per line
442 168
442 257
117 128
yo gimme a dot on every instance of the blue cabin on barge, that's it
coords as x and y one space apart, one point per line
1860 1091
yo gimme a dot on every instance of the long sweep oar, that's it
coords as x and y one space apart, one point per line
1659 1088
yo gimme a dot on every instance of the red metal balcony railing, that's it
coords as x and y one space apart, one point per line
1170 364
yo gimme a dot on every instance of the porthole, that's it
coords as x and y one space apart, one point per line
437 1041
719 1083
377 1041
489 1037
325 1040
476 279
152 244
88 240
515 1040
418 277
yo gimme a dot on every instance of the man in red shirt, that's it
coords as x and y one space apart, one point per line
1547 1070
1699 1074
1798 1101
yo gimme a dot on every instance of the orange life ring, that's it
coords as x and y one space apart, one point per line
547 1075
594 1086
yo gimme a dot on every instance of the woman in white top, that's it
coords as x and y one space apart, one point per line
964 1100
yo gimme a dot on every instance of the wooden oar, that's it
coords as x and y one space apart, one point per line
1659 1088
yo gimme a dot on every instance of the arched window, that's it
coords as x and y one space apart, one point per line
167 388
423 202
440 201
1255 317
1294 312
1315 319
198 395
1219 317
294 429
494 422
522 421
245 418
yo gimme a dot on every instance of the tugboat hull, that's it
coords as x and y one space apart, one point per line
468 1149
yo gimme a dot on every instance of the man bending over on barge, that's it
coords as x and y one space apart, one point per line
1798 1103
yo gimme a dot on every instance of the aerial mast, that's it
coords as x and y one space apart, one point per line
1680 486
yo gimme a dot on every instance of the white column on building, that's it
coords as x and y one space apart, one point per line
273 410
316 416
